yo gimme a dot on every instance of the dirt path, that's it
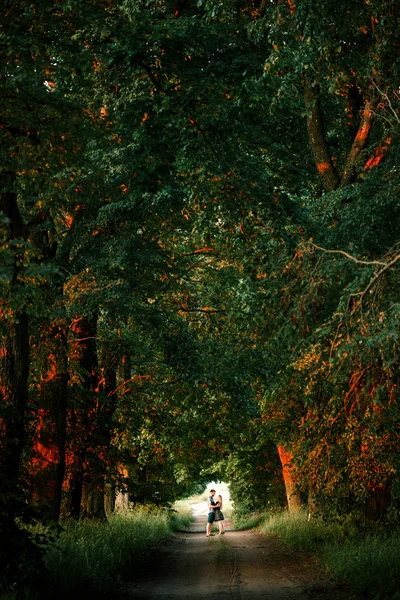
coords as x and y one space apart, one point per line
239 565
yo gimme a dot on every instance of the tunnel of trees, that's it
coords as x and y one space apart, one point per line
199 259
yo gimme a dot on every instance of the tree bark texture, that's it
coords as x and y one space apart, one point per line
292 493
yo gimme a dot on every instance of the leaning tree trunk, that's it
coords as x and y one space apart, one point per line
292 493
48 456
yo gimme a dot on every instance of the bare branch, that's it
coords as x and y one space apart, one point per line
347 255
375 278
385 95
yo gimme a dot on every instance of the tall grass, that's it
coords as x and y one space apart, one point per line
371 564
368 563
250 521
93 558
181 515
89 556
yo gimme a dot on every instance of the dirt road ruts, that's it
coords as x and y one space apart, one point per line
240 565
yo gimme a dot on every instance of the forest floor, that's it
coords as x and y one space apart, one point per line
239 565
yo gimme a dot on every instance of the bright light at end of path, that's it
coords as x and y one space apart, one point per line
221 488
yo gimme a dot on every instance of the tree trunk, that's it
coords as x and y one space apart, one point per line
99 439
378 503
122 498
75 493
93 502
85 353
48 456
316 135
14 354
313 506
122 501
14 370
292 493
109 498
108 388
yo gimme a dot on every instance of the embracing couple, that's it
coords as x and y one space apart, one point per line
215 514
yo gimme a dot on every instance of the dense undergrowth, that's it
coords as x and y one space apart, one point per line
366 560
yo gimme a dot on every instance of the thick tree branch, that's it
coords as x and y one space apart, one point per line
316 135
359 143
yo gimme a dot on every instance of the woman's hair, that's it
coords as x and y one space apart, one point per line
220 500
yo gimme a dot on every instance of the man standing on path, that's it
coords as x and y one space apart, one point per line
211 512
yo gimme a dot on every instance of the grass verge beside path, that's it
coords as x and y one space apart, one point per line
93 557
368 562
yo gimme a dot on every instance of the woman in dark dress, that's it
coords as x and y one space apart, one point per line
219 516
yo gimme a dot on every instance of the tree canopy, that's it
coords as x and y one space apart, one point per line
199 254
